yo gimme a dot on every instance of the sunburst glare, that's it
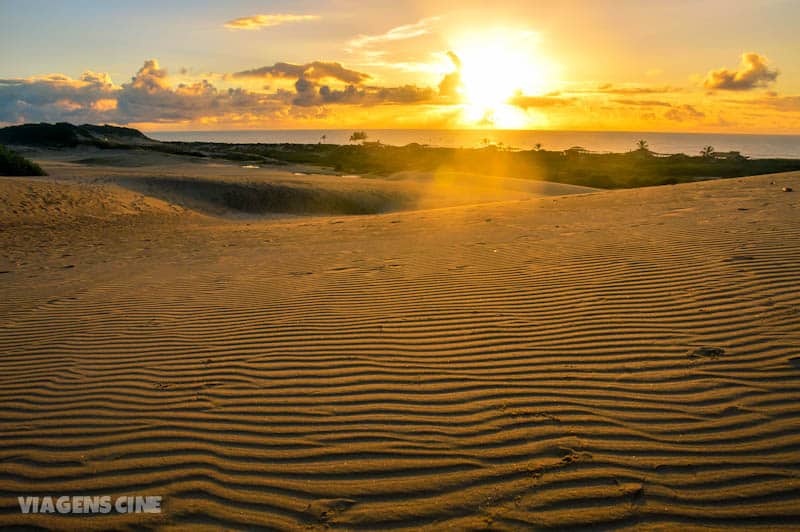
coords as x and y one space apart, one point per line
494 66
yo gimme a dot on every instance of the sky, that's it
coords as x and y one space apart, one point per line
679 65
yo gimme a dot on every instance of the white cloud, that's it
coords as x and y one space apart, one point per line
407 31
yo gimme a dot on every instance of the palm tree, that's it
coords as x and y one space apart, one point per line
707 152
642 145
323 138
358 135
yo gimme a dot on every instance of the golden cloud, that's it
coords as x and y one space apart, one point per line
549 100
608 88
752 73
315 70
256 22
684 113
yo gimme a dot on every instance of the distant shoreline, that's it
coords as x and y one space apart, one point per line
753 145
485 131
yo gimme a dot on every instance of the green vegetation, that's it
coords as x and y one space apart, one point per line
64 135
14 164
263 197
358 135
707 152
575 166
637 168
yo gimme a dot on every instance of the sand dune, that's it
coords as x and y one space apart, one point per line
89 182
619 359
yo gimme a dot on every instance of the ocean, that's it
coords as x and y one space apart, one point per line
756 146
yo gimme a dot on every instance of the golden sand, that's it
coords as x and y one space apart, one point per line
515 358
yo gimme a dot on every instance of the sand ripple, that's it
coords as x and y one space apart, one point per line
513 366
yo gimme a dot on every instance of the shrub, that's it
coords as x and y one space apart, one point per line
358 135
14 164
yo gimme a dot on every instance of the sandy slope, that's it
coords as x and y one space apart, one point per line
511 365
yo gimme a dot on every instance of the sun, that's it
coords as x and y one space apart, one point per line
491 73
494 67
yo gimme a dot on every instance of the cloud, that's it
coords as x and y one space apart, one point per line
96 78
316 70
752 73
790 103
416 67
311 87
405 94
784 103
675 112
407 31
151 97
265 21
104 104
309 94
683 113
148 97
643 103
608 88
451 85
527 102
150 78
53 97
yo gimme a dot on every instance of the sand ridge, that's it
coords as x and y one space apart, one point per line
524 364
89 182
